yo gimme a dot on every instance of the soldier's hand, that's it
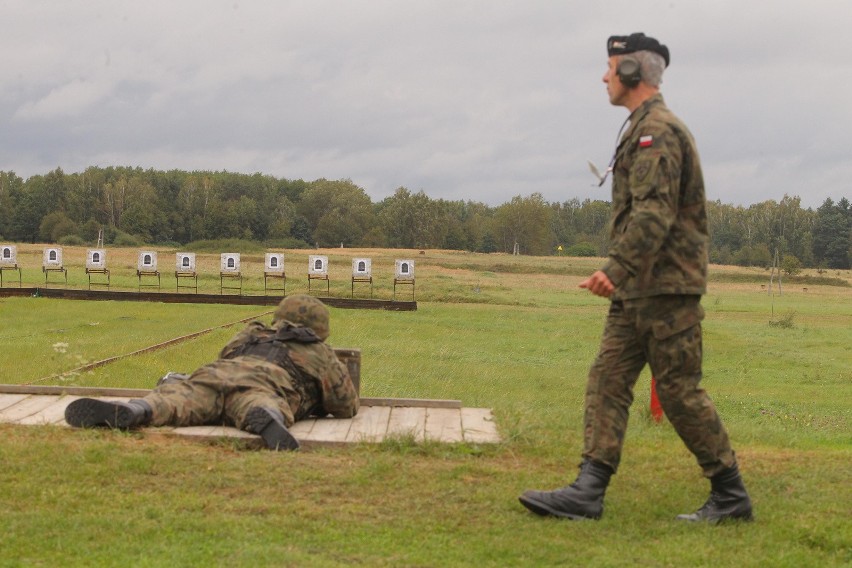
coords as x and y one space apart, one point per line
598 284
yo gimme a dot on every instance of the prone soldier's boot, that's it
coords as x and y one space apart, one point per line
728 500
90 412
583 499
269 423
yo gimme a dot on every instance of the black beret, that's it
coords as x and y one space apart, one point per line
621 45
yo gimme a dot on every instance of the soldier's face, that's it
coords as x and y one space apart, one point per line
614 87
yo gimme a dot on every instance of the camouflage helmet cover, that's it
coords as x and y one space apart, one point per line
304 310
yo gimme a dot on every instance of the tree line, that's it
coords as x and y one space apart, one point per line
134 206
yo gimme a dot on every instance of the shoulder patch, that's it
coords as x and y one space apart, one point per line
646 141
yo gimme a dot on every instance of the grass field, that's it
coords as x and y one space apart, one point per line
510 333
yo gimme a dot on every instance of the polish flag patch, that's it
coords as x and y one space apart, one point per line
646 141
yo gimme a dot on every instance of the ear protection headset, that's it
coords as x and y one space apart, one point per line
629 71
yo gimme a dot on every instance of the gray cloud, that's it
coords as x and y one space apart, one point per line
478 100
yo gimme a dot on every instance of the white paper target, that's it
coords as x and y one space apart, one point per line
317 265
147 261
185 262
405 270
361 267
274 262
96 259
52 258
8 254
230 262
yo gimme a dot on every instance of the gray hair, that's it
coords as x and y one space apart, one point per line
652 65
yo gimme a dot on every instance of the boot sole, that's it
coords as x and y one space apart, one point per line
91 412
275 434
540 508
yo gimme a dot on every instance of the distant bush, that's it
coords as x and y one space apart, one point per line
582 249
286 243
224 245
791 265
123 239
71 241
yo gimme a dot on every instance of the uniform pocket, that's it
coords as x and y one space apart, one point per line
677 321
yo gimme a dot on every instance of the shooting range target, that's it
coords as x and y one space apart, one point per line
96 259
405 270
147 261
274 262
185 262
52 258
317 265
230 262
361 267
8 254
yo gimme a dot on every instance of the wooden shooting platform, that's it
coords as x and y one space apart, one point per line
379 419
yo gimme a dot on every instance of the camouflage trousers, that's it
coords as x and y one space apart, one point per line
222 392
665 333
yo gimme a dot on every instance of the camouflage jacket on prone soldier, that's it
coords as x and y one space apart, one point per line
310 364
659 237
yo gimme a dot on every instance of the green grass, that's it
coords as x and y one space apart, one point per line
517 341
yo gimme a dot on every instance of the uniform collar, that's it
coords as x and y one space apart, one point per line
637 115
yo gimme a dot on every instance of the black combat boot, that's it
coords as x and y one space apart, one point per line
89 412
583 499
269 423
728 500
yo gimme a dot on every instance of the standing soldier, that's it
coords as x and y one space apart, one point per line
266 378
655 275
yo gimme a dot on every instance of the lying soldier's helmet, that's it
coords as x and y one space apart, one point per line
304 310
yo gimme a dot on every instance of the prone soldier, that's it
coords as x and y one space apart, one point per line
265 379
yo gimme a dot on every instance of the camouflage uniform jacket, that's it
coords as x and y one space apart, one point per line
658 228
316 362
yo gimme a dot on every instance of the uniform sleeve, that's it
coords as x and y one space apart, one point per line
653 181
318 360
340 399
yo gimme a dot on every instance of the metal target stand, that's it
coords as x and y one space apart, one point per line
193 276
14 268
147 273
274 275
405 281
102 271
231 276
312 277
59 269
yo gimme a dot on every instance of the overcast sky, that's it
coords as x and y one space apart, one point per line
471 100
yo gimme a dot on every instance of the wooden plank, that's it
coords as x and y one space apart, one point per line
7 400
194 431
478 426
407 421
79 391
443 424
372 424
302 428
27 407
332 430
217 432
369 425
52 414
419 402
